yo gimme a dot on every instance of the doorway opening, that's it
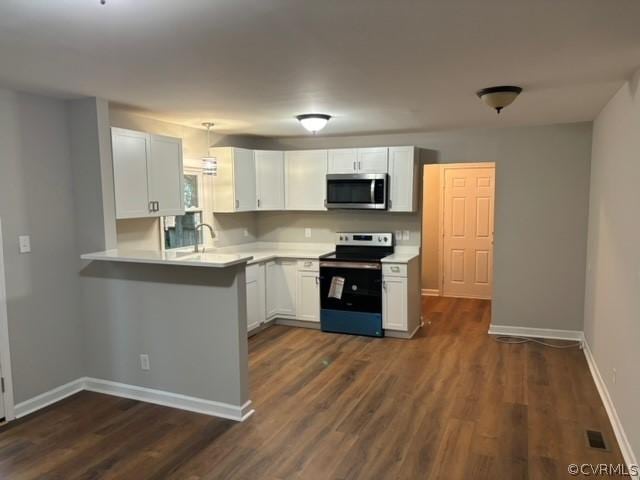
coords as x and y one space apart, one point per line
458 230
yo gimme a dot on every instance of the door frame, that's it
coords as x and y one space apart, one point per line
441 204
5 353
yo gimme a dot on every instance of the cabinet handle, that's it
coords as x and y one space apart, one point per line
354 166
390 203
384 285
395 269
237 204
151 205
359 165
258 203
317 280
157 206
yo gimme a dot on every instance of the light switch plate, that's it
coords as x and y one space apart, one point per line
307 233
398 235
24 243
406 235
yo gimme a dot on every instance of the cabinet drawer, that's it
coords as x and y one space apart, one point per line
308 265
394 270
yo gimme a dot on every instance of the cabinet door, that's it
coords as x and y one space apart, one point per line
166 176
305 180
308 296
130 153
273 278
287 287
372 160
269 180
255 296
342 160
244 180
401 179
394 303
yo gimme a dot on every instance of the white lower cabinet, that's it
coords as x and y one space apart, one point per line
394 303
308 296
288 289
281 288
256 308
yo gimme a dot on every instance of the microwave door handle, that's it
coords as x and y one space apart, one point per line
373 192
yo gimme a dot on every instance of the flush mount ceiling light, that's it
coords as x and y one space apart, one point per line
209 164
313 122
499 97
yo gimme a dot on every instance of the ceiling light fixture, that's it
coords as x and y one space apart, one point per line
313 122
499 97
209 163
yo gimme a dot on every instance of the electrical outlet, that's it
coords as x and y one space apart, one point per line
144 362
406 235
24 243
307 233
613 376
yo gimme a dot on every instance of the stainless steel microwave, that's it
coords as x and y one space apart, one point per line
357 191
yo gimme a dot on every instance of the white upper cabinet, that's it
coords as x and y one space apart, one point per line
357 160
305 179
234 185
165 175
269 179
403 179
343 160
147 174
372 160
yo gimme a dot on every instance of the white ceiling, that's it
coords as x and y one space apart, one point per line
376 65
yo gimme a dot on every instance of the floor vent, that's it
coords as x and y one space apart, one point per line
595 439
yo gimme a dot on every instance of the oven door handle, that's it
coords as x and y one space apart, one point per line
356 265
373 192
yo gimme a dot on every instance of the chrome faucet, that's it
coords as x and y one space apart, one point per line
213 235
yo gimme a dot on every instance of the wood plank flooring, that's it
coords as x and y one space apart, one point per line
450 404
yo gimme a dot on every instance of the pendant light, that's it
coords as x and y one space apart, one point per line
209 163
313 122
499 97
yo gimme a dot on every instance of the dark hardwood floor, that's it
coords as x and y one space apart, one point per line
450 404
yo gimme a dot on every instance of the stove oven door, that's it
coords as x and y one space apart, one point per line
351 298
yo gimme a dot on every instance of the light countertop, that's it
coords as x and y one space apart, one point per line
226 256
184 258
400 257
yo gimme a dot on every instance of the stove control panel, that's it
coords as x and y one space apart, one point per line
365 239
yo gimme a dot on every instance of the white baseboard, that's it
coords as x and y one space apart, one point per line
431 292
150 395
550 333
47 398
625 447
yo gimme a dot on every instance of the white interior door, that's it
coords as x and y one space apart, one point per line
6 394
468 231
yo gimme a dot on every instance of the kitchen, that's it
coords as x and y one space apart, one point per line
369 286
283 280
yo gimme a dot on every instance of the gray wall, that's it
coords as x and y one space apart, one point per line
191 321
612 305
36 198
542 188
